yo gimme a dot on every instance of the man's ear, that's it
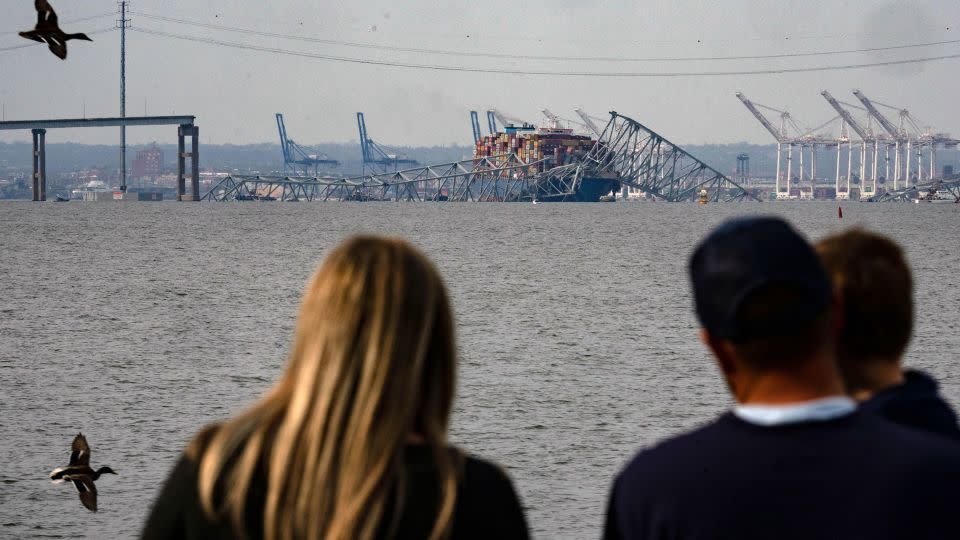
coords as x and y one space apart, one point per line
721 352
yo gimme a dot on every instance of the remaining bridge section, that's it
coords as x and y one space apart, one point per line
186 128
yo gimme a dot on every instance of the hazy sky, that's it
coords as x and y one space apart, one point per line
235 93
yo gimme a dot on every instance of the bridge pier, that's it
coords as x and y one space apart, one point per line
192 131
39 164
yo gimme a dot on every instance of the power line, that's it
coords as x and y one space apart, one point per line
69 21
542 57
465 69
34 44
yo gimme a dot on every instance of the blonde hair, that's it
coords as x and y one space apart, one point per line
373 363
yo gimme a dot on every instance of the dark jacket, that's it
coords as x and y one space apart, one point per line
915 403
857 476
486 507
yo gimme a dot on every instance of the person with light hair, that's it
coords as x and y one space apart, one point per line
351 442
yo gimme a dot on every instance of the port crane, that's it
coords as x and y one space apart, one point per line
376 157
779 135
917 136
555 120
491 122
475 124
299 159
866 137
804 139
901 140
588 121
509 120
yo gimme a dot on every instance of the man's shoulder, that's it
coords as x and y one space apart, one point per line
915 403
698 444
730 442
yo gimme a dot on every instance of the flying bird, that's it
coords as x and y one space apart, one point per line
80 473
49 32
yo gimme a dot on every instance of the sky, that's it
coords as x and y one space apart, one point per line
235 92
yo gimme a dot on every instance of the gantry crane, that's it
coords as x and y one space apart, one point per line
900 136
866 136
803 138
779 135
297 158
376 157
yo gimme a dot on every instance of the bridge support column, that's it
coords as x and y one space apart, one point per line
188 130
39 164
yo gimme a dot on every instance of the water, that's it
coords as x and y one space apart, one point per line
140 323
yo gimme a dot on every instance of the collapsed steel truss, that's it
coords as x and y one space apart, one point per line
645 160
951 185
494 178
627 153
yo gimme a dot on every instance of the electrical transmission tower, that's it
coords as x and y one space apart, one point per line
123 24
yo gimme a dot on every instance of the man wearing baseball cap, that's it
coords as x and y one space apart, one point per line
794 458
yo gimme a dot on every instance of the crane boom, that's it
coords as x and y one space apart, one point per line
475 123
780 137
847 117
364 140
552 117
504 119
887 124
588 121
491 123
283 138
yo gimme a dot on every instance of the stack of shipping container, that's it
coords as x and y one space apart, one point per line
551 147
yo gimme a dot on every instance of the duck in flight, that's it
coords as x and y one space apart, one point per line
49 32
80 473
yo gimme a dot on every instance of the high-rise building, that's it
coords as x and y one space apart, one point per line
149 163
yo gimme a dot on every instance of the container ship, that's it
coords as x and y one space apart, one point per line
546 148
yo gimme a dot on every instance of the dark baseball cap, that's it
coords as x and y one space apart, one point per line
745 255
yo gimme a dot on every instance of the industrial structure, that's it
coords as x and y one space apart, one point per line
743 169
299 159
790 135
376 158
899 147
625 153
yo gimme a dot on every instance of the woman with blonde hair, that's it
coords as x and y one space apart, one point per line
351 442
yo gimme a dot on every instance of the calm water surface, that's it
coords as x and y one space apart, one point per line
140 323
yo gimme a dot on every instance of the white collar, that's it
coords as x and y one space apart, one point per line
816 410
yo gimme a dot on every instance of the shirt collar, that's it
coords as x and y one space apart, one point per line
817 410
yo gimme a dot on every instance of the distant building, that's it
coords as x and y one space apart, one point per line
149 163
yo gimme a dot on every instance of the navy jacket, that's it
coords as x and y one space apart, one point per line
857 476
915 403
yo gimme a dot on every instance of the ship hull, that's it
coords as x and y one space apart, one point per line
589 190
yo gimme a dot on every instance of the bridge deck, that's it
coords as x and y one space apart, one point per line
130 121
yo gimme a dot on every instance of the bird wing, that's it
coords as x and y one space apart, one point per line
88 493
32 34
59 48
45 13
79 450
